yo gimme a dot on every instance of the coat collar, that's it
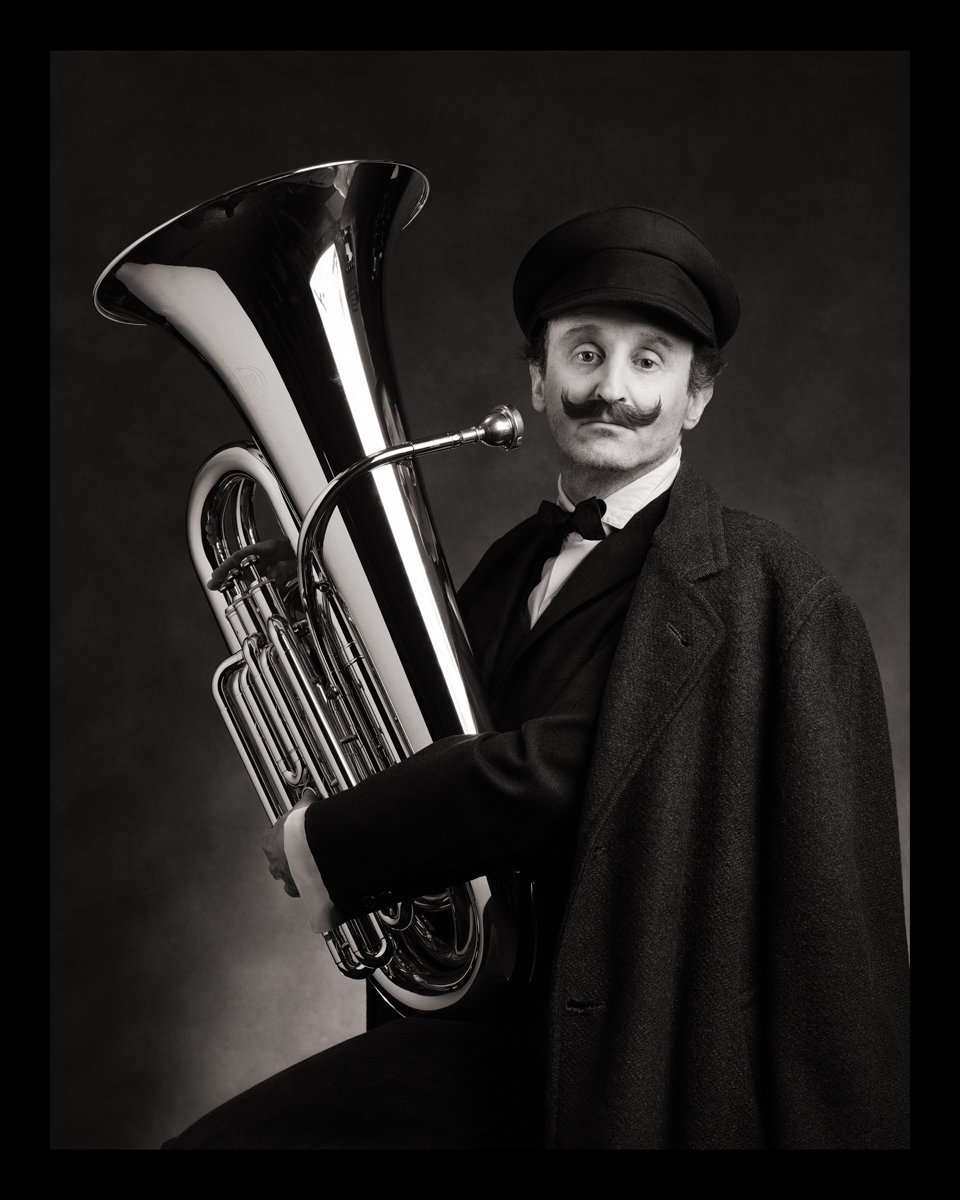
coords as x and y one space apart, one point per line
690 540
670 634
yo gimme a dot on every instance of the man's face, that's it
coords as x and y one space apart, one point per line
629 377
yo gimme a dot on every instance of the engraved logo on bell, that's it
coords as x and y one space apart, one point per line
251 380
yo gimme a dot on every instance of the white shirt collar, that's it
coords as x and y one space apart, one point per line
627 502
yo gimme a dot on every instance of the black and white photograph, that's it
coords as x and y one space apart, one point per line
480 690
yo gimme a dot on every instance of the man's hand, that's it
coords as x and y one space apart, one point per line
321 910
272 844
277 561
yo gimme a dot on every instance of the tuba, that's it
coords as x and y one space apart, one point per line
277 288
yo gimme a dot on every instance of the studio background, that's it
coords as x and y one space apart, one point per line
182 973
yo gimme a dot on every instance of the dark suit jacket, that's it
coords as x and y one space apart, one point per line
731 972
466 806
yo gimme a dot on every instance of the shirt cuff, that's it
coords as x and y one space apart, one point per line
306 875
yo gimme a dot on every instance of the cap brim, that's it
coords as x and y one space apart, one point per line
618 295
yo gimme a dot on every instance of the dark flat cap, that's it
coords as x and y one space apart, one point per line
627 255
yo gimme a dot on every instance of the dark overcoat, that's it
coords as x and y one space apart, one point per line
732 969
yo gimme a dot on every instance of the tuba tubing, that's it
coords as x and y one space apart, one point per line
276 288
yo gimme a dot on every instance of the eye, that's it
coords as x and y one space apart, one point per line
647 363
587 356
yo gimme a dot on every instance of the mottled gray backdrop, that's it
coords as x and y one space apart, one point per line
181 972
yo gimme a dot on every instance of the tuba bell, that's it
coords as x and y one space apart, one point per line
277 288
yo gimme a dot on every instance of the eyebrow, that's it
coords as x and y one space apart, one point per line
656 338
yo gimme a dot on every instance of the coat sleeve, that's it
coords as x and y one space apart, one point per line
465 806
836 1023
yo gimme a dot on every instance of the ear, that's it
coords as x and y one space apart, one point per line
536 389
695 406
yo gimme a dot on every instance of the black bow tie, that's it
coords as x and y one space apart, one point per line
556 522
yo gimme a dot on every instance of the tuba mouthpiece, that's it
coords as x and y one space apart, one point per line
502 427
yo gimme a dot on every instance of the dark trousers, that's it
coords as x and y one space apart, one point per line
407 1085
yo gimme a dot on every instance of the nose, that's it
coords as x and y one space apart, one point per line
613 381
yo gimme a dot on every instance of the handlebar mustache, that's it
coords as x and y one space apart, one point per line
620 413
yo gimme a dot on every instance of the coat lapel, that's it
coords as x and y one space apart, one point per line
491 597
498 560
619 557
670 634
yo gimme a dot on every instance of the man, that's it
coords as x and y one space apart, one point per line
692 761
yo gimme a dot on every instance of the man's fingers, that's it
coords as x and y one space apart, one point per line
272 845
274 548
282 572
288 885
277 557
